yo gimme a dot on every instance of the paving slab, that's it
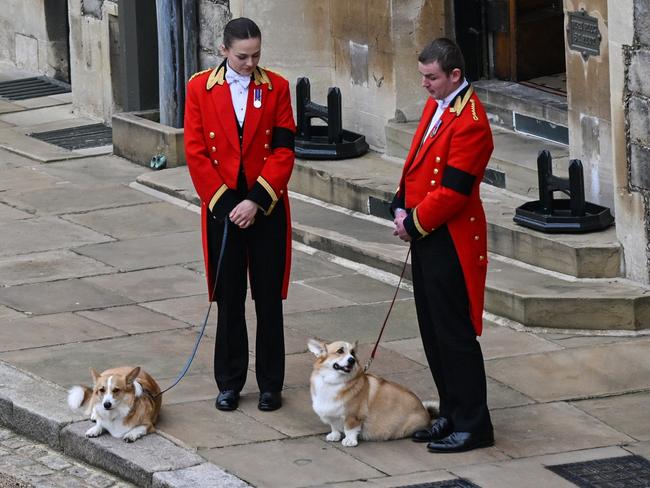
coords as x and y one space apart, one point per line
139 221
404 456
191 309
39 116
25 179
48 266
531 472
27 236
625 413
534 430
577 372
60 296
357 322
49 330
303 297
7 313
306 266
422 477
147 252
358 288
205 474
208 427
94 171
132 319
72 198
296 418
162 354
497 341
289 463
136 462
152 284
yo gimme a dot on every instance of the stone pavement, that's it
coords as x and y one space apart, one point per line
26 464
95 272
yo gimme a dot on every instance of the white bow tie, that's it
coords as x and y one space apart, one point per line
233 77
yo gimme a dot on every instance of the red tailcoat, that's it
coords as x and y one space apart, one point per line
214 153
440 183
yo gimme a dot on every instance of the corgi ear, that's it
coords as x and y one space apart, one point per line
133 374
319 348
95 375
355 345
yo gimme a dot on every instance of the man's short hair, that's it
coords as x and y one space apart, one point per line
446 53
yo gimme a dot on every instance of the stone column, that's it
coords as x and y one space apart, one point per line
589 113
629 44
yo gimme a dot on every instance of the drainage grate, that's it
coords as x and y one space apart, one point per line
79 137
40 86
620 472
457 483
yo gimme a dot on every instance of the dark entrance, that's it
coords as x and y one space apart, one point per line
514 40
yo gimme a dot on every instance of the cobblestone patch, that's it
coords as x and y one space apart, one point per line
26 464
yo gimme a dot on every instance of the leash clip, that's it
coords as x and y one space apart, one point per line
367 366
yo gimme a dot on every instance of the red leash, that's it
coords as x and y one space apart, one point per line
381 332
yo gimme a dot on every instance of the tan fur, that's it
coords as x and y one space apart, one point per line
132 410
382 409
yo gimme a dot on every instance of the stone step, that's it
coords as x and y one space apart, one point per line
518 292
513 164
368 183
525 109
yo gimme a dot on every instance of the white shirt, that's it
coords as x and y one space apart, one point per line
239 92
442 106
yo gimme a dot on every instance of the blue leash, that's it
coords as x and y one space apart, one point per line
188 363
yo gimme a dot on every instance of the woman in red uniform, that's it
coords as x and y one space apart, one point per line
239 140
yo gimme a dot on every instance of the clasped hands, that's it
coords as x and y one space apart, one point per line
243 215
400 231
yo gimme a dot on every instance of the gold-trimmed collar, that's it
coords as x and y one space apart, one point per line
260 77
461 100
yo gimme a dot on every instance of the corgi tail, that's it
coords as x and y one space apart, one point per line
432 407
78 397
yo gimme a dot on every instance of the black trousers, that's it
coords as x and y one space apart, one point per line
453 353
260 252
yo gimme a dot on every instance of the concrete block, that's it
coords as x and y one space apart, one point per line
639 117
640 162
136 462
139 136
642 21
639 72
27 52
206 474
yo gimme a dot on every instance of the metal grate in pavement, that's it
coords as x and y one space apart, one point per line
619 472
24 88
457 483
79 137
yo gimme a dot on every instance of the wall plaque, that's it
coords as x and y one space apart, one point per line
583 34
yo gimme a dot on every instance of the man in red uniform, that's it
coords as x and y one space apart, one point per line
437 208
239 140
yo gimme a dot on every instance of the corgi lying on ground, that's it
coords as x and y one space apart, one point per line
358 404
123 401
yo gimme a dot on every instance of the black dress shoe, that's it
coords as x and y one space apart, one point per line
270 400
461 442
227 400
440 429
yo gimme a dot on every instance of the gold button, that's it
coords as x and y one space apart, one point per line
216 162
476 238
266 146
211 135
435 171
472 219
268 132
437 159
481 258
433 182
214 149
281 192
265 158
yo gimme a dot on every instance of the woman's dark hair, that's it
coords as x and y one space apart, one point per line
446 53
241 28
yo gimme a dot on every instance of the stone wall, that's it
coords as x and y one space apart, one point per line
589 118
368 48
34 36
629 45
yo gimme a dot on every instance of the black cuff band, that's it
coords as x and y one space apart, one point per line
458 180
224 205
282 137
259 195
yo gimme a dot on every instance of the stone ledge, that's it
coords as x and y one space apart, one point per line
205 474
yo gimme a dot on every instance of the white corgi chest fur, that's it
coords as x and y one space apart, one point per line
113 420
324 398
